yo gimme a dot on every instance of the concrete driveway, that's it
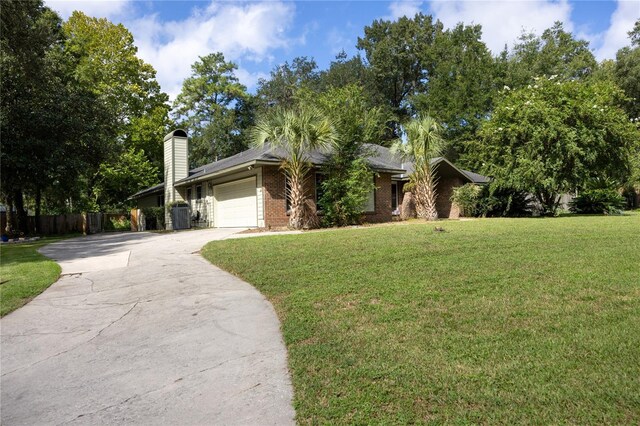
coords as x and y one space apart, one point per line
142 330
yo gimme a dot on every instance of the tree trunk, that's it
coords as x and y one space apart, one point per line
425 196
296 199
303 214
38 206
21 214
9 206
408 209
431 195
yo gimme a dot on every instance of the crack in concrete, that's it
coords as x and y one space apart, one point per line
126 400
74 347
159 389
113 322
230 360
93 413
246 390
45 334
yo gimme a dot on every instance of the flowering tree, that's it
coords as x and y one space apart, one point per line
555 136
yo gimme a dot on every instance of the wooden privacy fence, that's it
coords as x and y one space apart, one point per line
85 223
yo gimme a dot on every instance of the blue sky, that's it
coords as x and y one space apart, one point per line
257 36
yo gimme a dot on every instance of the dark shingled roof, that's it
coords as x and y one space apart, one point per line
380 159
477 178
159 188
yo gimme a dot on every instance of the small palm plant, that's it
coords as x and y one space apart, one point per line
297 131
424 142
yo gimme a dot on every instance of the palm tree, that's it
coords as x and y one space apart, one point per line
424 142
297 131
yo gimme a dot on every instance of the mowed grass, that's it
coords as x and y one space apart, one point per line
24 273
495 321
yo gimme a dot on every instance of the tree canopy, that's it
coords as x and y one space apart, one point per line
101 114
211 106
553 137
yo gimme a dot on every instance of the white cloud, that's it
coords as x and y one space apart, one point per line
401 8
239 31
337 41
503 21
250 79
616 37
97 8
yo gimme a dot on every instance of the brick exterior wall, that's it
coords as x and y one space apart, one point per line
444 189
383 200
273 182
275 214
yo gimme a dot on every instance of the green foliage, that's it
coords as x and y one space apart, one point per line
598 201
552 137
89 91
146 133
344 72
424 143
555 53
348 178
356 123
285 81
116 181
107 63
400 56
345 192
25 273
45 160
210 106
154 217
466 197
295 132
499 201
117 224
460 86
627 73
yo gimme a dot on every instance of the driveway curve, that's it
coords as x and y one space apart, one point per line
142 330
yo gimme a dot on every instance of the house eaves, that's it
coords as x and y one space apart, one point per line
470 176
157 189
265 156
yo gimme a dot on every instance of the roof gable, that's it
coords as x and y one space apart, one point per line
380 158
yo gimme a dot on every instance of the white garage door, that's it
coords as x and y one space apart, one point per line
236 204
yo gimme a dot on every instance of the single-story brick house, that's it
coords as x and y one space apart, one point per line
248 189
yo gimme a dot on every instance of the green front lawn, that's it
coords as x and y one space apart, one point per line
24 273
493 321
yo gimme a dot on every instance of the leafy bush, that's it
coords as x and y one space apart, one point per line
598 201
154 217
345 193
498 201
466 198
117 224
